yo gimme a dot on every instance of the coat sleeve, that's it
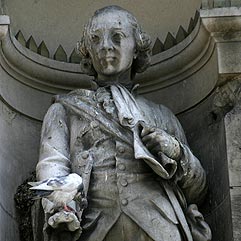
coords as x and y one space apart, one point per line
190 174
54 144
193 177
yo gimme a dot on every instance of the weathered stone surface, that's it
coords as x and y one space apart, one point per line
43 50
19 36
181 34
157 47
206 136
74 57
60 54
31 44
233 134
230 54
19 142
236 211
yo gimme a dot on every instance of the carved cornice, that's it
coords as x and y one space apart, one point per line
218 26
38 71
179 62
224 26
42 49
222 21
61 55
208 4
216 3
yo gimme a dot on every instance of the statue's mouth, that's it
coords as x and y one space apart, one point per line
107 55
110 58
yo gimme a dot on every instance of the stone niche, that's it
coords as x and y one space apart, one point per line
37 60
58 23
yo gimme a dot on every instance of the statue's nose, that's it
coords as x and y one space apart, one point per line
107 44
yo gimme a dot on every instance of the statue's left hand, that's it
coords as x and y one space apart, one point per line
158 141
199 228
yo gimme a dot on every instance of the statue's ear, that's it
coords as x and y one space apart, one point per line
86 65
81 49
85 62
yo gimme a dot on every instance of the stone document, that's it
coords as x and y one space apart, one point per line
140 178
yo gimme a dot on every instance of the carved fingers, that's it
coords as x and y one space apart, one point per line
68 218
65 225
158 141
199 228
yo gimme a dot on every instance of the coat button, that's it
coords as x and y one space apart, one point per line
85 155
123 182
94 124
124 202
121 149
121 167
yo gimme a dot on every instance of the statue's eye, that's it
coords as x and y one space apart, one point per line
95 38
116 37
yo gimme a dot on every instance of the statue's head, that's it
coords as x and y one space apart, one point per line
113 43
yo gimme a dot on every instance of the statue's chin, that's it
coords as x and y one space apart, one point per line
106 82
111 74
109 70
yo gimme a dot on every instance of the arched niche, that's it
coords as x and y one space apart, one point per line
184 72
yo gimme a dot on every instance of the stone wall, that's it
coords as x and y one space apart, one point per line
233 135
19 141
206 136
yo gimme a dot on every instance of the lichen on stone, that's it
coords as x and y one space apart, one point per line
23 203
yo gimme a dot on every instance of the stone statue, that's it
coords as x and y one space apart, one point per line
140 177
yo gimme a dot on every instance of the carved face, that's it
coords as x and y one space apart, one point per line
111 43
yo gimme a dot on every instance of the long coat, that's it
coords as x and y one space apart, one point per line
83 127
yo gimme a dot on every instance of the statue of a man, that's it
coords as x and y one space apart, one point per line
139 174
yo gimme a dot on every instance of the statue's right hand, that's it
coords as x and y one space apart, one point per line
64 226
60 222
64 220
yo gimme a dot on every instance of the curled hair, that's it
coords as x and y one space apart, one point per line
143 44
